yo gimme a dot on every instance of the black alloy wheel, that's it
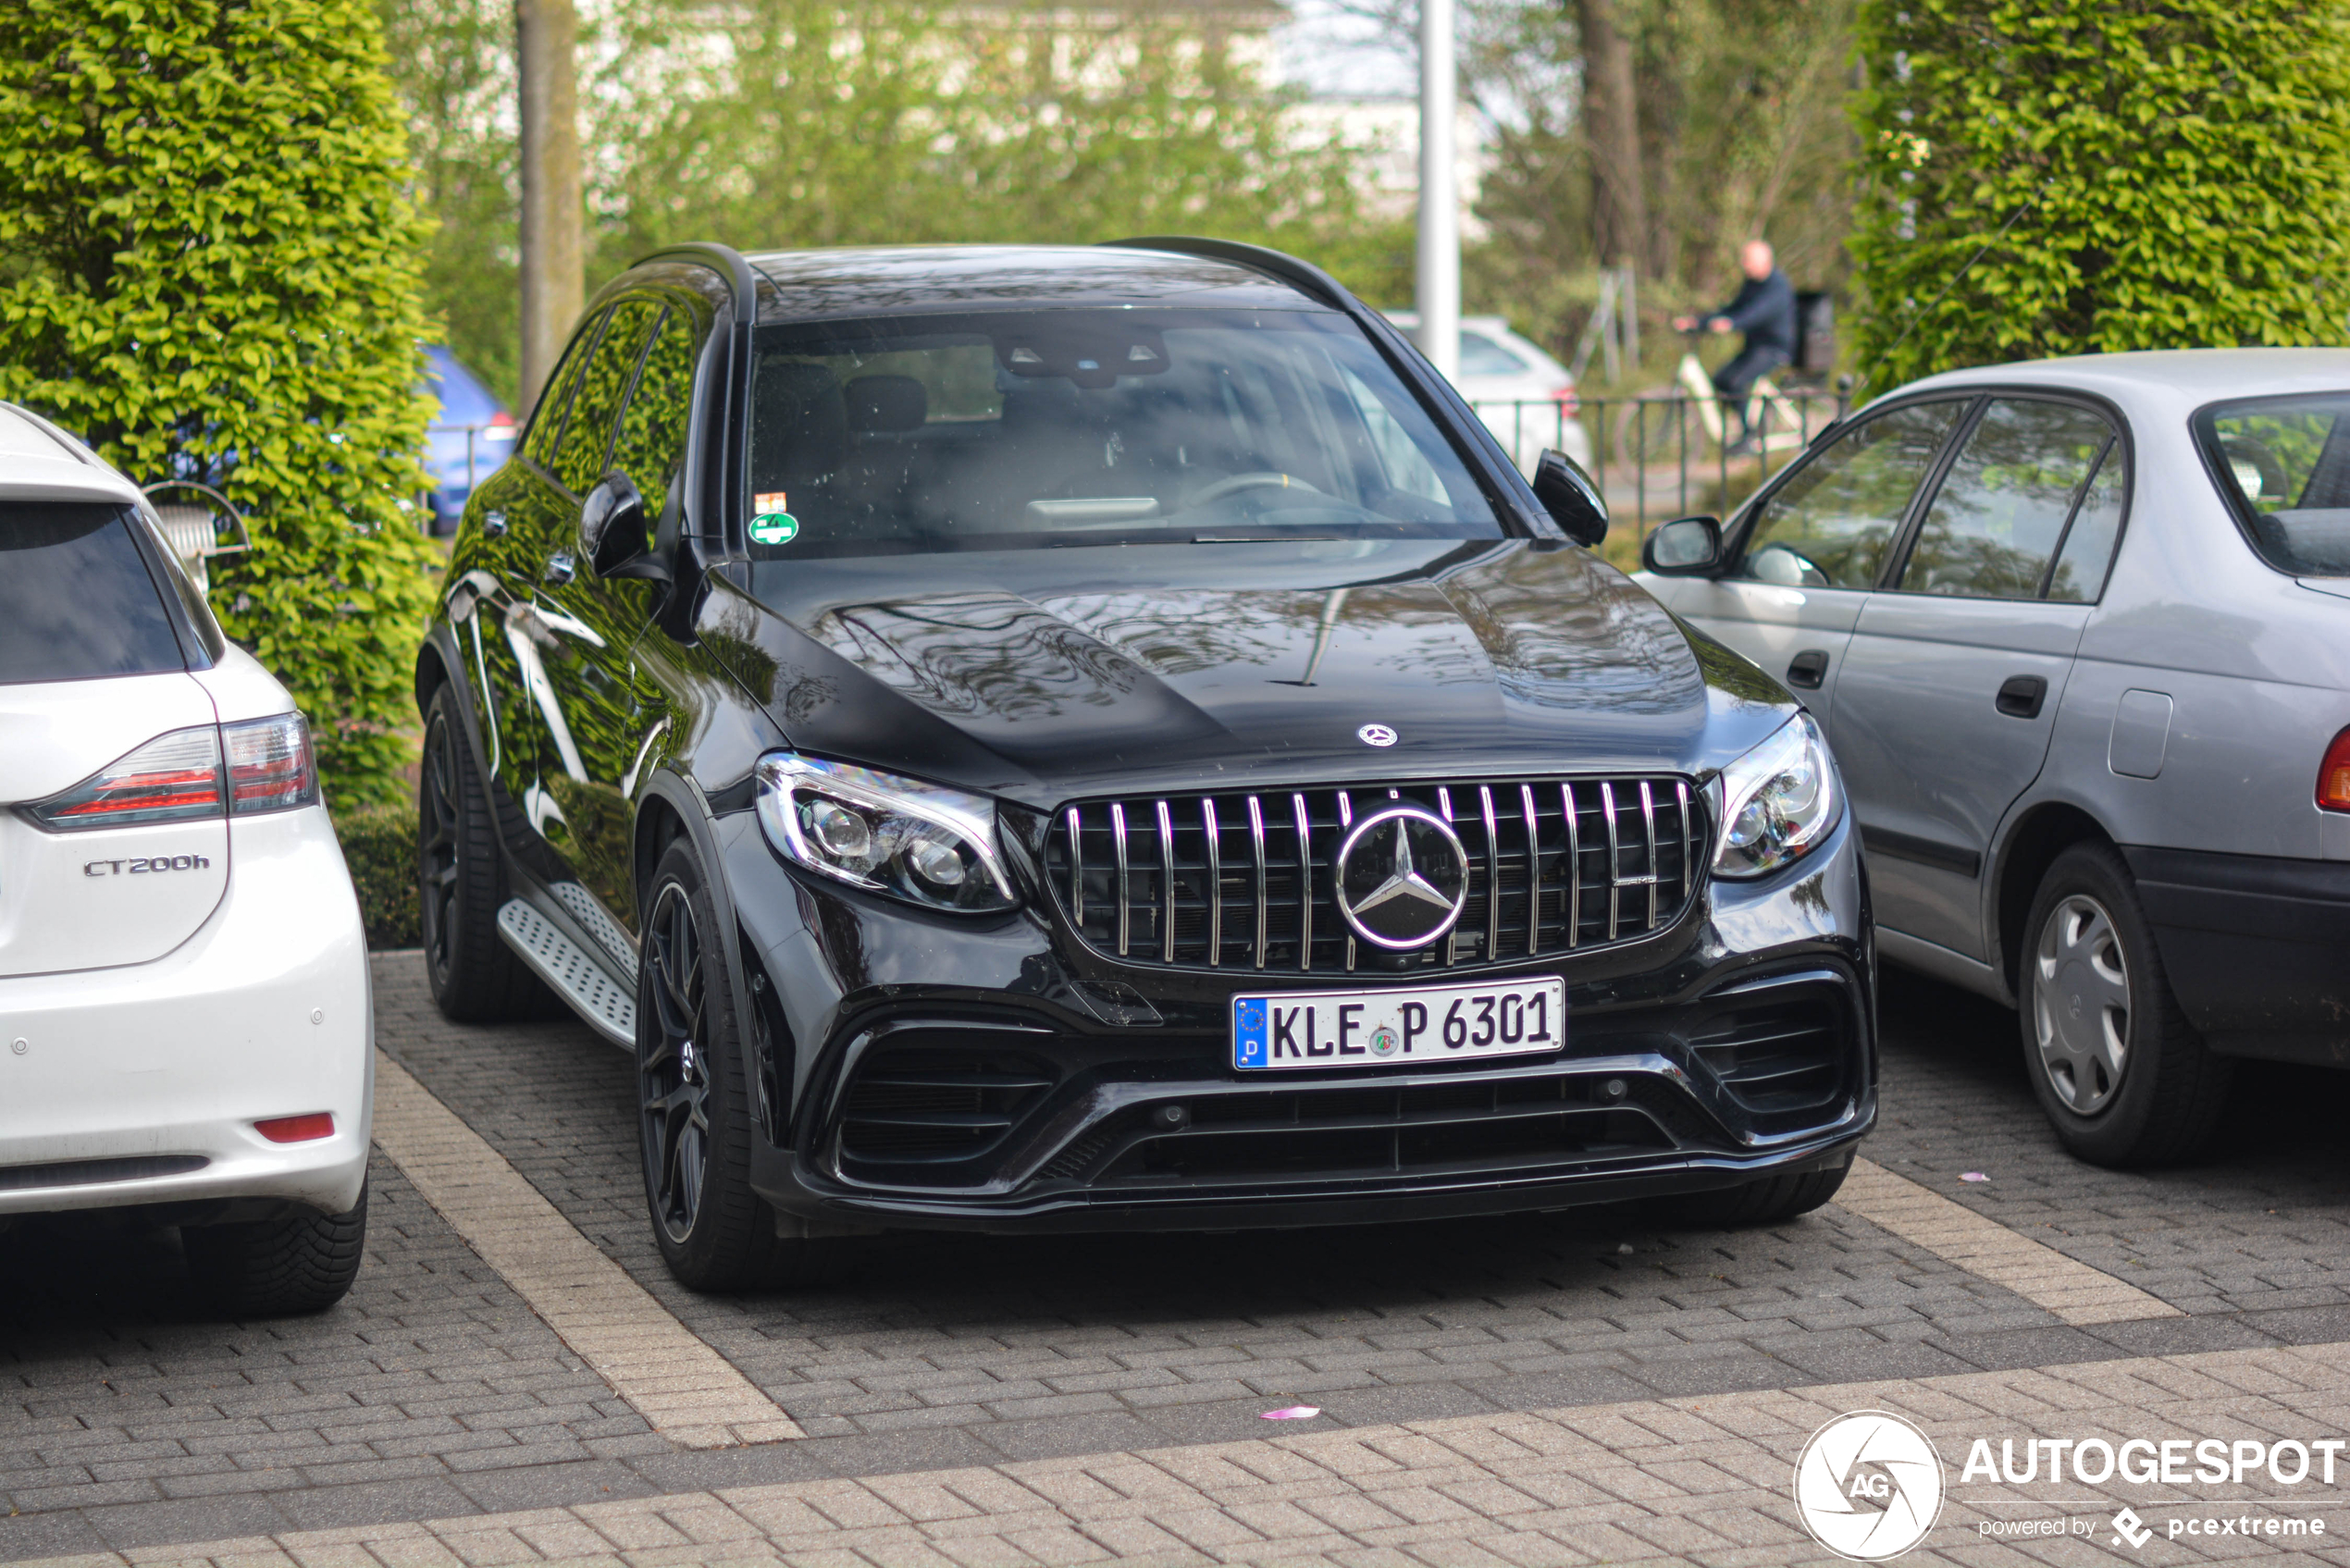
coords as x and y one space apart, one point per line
2121 1075
697 1111
461 883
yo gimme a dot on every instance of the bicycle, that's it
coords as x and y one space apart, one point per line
1653 420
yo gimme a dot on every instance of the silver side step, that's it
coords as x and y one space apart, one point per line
608 1007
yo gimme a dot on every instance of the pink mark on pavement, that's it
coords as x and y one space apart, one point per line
1295 1413
1973 1176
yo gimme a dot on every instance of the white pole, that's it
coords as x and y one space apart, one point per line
1440 217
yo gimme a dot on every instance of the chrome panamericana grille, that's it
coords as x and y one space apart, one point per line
1244 881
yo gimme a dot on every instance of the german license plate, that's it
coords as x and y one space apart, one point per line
1425 1023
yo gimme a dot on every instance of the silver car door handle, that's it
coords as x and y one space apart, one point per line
560 568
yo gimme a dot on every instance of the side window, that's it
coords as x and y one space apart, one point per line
2087 551
1832 523
547 421
651 442
603 381
2001 515
1403 465
1481 355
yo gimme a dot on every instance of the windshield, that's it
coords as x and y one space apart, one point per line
1007 431
2284 462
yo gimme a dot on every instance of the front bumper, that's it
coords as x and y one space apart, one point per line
2252 947
927 1073
140 1086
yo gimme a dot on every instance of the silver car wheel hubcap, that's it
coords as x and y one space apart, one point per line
2081 1004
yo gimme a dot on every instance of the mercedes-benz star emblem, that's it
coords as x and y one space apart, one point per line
1375 734
1403 877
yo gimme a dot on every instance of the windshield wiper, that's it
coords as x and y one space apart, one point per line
1266 539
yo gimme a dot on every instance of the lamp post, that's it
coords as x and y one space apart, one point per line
1438 279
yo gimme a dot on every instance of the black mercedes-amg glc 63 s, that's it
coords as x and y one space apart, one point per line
1020 739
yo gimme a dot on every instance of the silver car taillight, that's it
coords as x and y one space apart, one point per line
178 777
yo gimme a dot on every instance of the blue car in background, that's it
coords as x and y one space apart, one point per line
470 436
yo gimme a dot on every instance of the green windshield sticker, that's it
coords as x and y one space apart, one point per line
775 528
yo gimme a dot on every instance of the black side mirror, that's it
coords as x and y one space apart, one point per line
1573 501
611 531
1687 547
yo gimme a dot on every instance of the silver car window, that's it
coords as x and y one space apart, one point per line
1831 522
2285 465
2080 564
2001 513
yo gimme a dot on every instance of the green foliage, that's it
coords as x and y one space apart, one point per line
2182 171
208 268
379 846
897 122
1742 133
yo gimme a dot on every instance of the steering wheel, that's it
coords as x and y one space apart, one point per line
1264 480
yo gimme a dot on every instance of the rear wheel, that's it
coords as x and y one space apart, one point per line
1770 1201
298 1262
475 977
696 1114
2122 1076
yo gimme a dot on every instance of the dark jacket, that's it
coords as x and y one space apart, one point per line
1764 310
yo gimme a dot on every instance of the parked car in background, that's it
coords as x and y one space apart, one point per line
2075 629
471 434
1029 739
1525 398
183 975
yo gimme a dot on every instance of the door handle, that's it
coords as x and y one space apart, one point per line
494 523
1808 669
560 568
2020 696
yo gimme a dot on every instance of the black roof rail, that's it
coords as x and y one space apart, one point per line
1303 275
718 258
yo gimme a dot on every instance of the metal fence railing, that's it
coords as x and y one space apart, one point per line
1663 455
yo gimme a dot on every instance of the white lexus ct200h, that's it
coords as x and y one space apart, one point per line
185 1026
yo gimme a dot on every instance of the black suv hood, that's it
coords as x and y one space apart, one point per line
1046 676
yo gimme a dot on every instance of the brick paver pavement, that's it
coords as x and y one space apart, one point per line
127 1421
1700 1480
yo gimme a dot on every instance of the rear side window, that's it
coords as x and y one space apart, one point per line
77 601
1481 355
2283 465
2000 515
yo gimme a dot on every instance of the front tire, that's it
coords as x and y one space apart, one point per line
2121 1075
461 883
696 1114
299 1262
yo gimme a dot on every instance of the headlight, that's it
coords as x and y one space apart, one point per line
1778 801
929 846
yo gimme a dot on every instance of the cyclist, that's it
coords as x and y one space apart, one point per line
1764 310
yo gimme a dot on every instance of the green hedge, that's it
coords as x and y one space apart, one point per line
380 844
2177 173
211 268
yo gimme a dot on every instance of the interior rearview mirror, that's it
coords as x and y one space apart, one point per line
1573 501
612 531
1687 547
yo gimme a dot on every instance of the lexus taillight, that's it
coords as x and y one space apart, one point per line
171 778
2333 775
181 777
269 764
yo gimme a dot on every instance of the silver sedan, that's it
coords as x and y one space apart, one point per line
2079 632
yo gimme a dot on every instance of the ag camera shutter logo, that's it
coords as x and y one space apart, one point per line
1868 1485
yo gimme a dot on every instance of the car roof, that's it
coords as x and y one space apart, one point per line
946 280
2172 377
40 463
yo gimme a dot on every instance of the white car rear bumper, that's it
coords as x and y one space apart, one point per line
264 1012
